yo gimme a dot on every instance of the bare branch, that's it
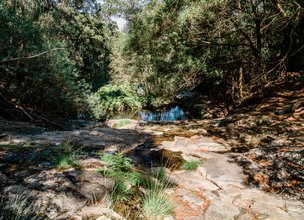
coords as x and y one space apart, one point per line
30 57
279 8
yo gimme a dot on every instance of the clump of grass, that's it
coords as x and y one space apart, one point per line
190 165
155 203
121 191
128 181
64 161
122 122
18 207
126 177
66 156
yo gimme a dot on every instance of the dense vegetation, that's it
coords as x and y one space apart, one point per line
68 58
242 47
55 54
52 55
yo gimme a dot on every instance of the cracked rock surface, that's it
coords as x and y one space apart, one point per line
216 190
228 184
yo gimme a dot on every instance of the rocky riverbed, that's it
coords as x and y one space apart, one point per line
241 176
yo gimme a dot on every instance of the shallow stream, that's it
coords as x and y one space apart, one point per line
174 113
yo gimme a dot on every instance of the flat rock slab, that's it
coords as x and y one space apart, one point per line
63 195
96 212
216 191
220 169
196 145
96 137
189 203
199 198
192 180
122 123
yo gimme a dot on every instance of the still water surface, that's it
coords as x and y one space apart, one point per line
171 114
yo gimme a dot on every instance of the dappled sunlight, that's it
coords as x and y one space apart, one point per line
194 111
68 184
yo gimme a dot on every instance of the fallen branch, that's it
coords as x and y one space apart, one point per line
25 112
48 121
28 114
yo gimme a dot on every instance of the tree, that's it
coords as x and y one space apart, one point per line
51 53
243 45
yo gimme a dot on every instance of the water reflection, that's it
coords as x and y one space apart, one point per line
172 114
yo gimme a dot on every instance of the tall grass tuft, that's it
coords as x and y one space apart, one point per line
18 207
132 185
156 204
66 156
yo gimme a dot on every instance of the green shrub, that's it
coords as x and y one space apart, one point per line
123 172
117 162
122 169
113 98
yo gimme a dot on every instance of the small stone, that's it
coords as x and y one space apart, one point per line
98 212
195 137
